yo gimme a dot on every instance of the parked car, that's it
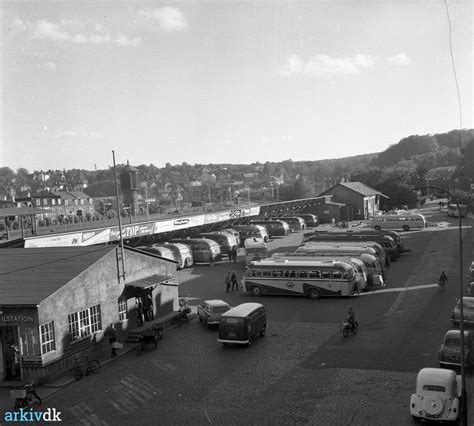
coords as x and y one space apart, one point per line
468 311
450 351
210 311
438 395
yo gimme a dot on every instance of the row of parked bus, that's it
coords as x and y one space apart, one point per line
328 263
209 247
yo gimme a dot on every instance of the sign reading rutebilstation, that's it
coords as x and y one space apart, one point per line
16 319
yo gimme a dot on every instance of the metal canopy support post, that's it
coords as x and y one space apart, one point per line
120 250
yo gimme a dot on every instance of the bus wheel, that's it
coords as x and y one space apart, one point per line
406 228
313 293
377 227
256 291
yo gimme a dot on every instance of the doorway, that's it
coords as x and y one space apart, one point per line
9 353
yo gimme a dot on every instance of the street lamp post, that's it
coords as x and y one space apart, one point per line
461 307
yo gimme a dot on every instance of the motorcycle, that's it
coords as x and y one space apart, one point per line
349 327
26 397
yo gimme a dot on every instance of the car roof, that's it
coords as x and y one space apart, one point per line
435 375
468 300
242 310
457 333
216 302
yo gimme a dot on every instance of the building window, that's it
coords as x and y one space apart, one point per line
48 342
122 309
84 323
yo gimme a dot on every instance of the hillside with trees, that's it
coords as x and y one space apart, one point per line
394 172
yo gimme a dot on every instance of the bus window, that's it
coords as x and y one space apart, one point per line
292 274
266 274
303 274
337 275
326 274
314 274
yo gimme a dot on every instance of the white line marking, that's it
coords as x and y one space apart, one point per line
400 289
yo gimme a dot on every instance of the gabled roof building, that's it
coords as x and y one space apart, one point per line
57 303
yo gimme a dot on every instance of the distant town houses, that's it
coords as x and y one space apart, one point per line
57 203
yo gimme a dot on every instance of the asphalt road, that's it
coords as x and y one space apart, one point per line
303 370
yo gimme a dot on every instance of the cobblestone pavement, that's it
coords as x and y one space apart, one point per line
192 379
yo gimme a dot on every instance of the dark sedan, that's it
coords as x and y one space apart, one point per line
468 311
450 352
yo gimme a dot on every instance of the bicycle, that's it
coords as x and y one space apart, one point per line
86 367
349 327
24 397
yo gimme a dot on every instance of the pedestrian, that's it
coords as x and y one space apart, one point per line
228 281
148 307
234 253
333 221
10 355
443 278
113 337
139 311
355 288
234 281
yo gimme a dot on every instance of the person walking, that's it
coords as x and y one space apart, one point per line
139 311
113 337
235 283
228 281
443 278
234 254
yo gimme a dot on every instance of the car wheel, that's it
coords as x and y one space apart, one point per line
256 291
313 293
377 227
405 228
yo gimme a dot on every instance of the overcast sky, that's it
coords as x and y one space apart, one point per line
226 81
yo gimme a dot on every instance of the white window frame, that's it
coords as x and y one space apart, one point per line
47 338
122 309
84 323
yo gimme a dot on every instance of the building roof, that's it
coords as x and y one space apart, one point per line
71 195
358 187
28 276
14 211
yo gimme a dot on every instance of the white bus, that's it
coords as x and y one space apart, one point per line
405 222
303 278
368 255
255 249
362 272
379 251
